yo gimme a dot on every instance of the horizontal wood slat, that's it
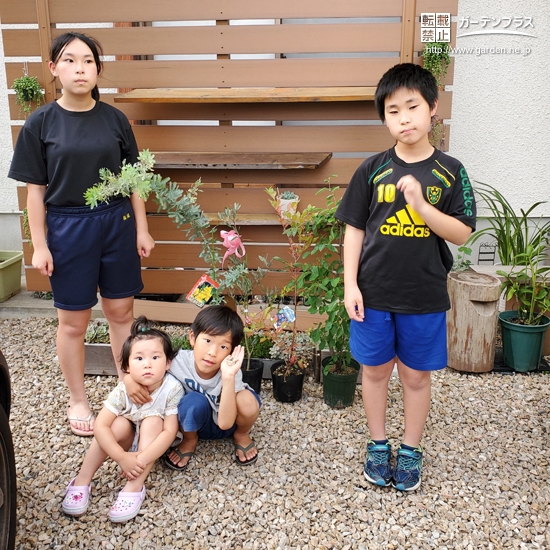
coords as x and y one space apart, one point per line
279 139
24 11
339 169
226 39
250 111
163 228
215 200
242 161
160 281
234 73
247 95
252 200
342 170
437 6
175 10
186 255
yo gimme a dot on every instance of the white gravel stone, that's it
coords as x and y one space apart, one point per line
485 479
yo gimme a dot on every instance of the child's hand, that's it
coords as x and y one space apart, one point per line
131 466
412 189
353 300
145 243
42 260
232 363
137 393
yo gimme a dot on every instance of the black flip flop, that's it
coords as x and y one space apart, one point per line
244 450
181 456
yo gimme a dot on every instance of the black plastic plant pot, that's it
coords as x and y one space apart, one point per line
253 373
339 389
287 389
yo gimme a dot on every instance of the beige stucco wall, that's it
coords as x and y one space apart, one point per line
500 118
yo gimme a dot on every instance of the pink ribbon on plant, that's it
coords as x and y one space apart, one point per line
232 241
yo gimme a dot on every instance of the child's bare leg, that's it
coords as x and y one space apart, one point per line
119 313
124 434
70 353
248 410
375 397
150 428
416 401
187 445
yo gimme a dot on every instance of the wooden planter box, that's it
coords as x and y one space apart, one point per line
10 273
98 359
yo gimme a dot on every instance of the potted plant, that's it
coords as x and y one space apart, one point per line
292 352
323 281
287 203
521 243
27 91
295 359
523 330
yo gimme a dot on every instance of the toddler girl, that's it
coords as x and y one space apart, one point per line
152 427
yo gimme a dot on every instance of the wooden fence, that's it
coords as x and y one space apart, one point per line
245 82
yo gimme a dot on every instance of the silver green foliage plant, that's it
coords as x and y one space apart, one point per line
180 205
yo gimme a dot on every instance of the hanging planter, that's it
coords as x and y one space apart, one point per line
27 91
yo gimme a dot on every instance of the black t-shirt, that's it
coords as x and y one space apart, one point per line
65 150
404 264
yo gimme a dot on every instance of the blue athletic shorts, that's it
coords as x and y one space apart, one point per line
93 248
195 415
419 341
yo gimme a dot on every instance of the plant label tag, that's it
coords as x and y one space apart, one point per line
202 291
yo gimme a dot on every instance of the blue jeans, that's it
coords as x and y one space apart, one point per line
195 415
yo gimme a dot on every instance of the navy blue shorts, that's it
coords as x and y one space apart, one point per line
195 415
419 341
93 248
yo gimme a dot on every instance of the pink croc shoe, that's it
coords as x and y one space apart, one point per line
126 506
77 499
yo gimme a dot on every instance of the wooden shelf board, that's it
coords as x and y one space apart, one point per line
247 95
240 161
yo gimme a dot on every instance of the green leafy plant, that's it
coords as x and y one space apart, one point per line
516 235
181 342
462 261
26 227
97 332
260 344
529 284
322 281
27 90
298 227
436 59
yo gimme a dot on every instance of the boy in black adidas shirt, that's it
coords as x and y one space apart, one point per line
399 208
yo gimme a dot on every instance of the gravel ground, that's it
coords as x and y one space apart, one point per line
486 470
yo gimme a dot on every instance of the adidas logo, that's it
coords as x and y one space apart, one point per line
405 223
